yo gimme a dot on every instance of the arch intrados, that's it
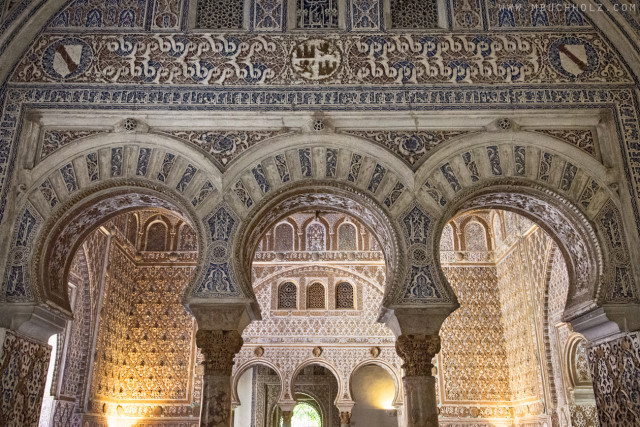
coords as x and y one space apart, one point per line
243 368
566 225
325 364
389 369
80 217
325 197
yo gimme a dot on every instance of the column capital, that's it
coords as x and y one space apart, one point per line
287 405
345 418
417 352
219 348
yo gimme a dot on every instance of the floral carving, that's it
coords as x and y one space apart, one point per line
219 348
417 352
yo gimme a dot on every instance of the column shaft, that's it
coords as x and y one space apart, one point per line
420 399
218 348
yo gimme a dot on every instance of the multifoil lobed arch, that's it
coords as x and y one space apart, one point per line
102 173
65 230
321 195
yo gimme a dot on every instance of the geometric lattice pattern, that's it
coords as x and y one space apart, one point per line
288 296
344 295
414 14
315 296
474 365
219 14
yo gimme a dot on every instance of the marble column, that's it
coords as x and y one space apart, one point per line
615 370
345 419
286 418
218 347
417 352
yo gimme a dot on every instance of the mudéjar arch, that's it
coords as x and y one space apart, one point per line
237 114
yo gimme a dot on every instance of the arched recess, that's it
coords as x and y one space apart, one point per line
475 222
284 237
156 234
322 195
347 236
235 399
577 366
67 228
397 398
320 362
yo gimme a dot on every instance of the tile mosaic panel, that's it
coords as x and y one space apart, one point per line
283 169
206 190
378 174
93 169
167 165
49 193
186 178
116 161
261 178
394 195
143 161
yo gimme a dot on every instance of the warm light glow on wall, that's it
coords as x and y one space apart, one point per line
373 385
122 421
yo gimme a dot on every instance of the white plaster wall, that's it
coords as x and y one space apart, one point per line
372 389
242 414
